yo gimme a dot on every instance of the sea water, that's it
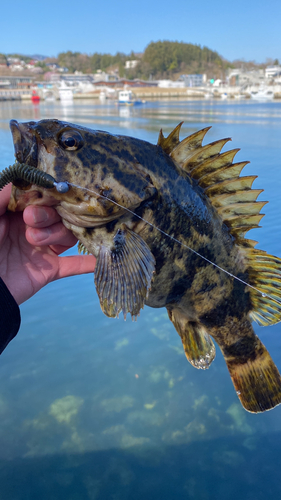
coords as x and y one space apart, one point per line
98 408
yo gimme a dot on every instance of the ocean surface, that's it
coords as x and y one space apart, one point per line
93 408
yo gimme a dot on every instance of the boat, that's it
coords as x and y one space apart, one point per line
127 98
35 98
65 92
48 95
263 94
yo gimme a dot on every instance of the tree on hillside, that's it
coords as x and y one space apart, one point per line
171 57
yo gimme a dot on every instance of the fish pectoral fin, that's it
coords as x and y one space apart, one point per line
197 343
124 273
254 375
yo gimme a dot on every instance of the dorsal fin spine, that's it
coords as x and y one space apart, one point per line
231 195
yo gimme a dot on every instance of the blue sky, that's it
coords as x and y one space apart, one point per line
248 30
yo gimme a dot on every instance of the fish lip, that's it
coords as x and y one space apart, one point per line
85 219
25 143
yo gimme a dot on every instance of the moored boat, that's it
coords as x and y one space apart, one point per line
127 98
263 94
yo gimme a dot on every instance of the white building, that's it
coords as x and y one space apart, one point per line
272 71
131 64
193 80
167 84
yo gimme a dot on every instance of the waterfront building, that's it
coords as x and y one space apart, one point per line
193 80
272 71
16 82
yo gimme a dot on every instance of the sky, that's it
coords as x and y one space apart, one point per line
236 29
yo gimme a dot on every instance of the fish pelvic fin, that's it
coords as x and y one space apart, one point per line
217 174
256 379
82 249
198 345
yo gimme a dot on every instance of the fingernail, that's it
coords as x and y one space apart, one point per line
40 235
39 215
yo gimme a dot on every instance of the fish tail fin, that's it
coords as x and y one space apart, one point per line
254 375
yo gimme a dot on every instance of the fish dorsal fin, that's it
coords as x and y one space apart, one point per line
264 274
187 147
231 195
169 143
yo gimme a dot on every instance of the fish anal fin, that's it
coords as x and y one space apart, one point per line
256 380
198 345
124 273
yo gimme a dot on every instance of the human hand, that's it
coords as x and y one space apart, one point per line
30 245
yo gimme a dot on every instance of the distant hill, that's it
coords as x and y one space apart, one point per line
161 59
165 59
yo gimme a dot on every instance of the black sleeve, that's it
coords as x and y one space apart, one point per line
9 316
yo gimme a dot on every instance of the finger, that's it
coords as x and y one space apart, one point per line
78 264
37 216
5 195
57 234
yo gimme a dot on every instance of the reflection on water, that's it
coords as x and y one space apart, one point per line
95 408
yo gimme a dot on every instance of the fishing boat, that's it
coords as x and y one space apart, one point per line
127 98
263 94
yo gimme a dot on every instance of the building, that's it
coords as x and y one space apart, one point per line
241 77
193 80
16 82
131 64
272 71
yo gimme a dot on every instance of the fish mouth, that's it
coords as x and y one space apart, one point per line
25 143
71 214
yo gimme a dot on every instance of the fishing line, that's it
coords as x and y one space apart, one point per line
172 238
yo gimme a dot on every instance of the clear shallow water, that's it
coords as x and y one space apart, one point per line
95 408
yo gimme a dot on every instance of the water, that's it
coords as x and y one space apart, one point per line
96 408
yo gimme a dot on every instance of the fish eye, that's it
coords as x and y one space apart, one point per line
71 140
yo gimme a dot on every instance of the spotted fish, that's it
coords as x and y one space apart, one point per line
157 218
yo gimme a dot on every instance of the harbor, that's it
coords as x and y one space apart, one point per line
238 84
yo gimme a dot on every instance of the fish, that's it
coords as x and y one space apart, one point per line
167 224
